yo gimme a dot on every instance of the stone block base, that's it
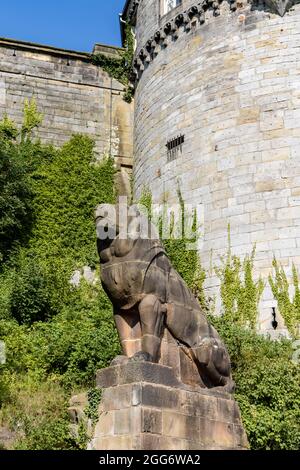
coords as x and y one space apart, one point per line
145 407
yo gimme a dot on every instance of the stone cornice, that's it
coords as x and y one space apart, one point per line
130 10
184 20
276 6
14 44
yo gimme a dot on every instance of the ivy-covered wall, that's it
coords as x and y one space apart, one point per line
56 335
75 95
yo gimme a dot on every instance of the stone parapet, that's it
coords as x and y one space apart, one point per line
164 28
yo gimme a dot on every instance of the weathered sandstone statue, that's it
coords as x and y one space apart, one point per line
149 297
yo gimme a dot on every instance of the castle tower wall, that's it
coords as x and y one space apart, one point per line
231 86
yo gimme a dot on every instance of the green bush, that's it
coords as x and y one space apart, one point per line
15 197
267 386
19 156
37 413
4 389
31 293
56 335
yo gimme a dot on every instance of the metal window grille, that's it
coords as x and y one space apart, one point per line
174 146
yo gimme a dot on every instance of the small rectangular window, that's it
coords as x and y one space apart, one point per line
170 4
174 147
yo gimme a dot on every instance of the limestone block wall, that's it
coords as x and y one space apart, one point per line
231 86
74 95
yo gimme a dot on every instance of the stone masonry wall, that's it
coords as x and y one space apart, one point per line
144 407
232 87
74 95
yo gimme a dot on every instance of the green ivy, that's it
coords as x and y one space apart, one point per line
55 334
32 118
88 421
240 293
120 68
289 309
267 386
68 188
186 261
92 410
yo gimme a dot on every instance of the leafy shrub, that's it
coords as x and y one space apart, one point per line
8 130
56 335
18 156
32 118
267 386
31 294
37 413
15 197
4 389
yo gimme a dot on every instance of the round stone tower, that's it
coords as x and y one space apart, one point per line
217 113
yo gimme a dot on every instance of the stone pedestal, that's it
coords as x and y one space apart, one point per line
145 407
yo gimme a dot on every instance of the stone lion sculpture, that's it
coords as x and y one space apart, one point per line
149 296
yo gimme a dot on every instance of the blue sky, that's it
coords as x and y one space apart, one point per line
70 24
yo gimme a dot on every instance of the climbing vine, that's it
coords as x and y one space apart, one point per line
184 259
32 118
120 67
289 309
94 397
89 418
240 293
